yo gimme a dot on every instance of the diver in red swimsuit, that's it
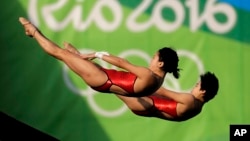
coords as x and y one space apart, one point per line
129 83
173 106
133 81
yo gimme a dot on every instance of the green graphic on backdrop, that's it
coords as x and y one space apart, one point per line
42 92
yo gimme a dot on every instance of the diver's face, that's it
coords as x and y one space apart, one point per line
197 88
155 61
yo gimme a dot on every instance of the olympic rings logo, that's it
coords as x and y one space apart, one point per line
89 93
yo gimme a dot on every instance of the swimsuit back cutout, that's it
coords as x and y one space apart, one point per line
122 79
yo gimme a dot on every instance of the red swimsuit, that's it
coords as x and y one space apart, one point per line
160 104
122 79
126 81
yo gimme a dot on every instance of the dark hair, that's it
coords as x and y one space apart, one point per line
210 84
170 59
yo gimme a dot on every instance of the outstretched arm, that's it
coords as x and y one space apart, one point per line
117 61
185 101
176 96
114 60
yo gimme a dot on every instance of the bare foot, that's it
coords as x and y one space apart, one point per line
71 48
30 29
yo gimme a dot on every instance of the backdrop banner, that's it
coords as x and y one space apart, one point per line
37 89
